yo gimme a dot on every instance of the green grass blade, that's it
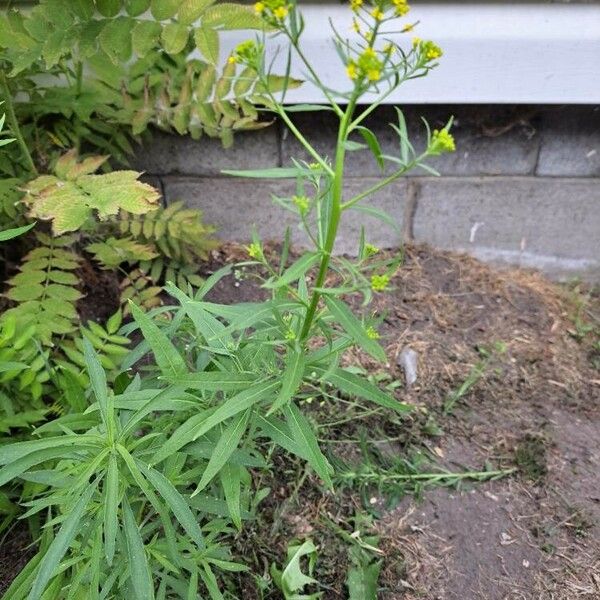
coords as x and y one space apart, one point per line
216 381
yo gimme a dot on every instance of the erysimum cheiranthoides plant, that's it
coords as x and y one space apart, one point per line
139 493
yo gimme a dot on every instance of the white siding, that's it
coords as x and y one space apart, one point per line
494 53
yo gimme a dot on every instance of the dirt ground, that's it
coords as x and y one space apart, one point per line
534 535
536 406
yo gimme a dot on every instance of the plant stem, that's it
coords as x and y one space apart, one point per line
334 217
14 124
384 182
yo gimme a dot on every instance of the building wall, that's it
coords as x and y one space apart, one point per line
523 187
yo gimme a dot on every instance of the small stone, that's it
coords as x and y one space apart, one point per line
408 362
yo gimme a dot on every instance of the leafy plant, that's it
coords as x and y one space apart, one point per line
140 488
291 579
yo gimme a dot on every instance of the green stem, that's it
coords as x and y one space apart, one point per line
14 124
432 477
384 182
334 217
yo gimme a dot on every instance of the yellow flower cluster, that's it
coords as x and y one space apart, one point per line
368 65
371 250
441 141
255 251
372 333
272 10
401 7
302 203
379 283
247 53
430 50
380 7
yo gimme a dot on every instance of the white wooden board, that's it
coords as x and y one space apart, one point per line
516 53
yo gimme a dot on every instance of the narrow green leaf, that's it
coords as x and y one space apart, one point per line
141 578
228 442
291 379
279 433
111 506
294 272
9 234
305 438
351 325
230 476
60 544
354 385
175 501
97 380
274 173
215 381
168 359
371 140
237 404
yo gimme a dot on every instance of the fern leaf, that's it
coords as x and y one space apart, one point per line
70 197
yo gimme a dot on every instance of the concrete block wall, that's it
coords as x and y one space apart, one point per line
523 187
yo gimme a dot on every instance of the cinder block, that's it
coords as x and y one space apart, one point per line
570 142
235 206
168 154
547 223
490 140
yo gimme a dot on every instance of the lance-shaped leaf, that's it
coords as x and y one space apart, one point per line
354 385
351 325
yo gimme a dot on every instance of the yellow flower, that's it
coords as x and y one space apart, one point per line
352 71
441 141
379 283
416 41
371 250
259 8
281 12
373 74
355 26
369 36
302 202
401 7
369 53
355 5
432 51
377 14
232 60
408 28
389 48
255 251
372 333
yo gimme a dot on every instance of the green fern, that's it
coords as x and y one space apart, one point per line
45 289
177 232
112 252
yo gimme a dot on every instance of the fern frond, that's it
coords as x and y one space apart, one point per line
176 231
45 289
114 251
71 196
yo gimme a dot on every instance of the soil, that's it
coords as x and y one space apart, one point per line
532 535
